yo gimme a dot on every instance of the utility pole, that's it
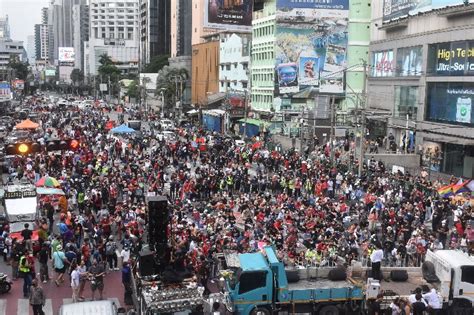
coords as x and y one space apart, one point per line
245 115
110 88
362 109
333 122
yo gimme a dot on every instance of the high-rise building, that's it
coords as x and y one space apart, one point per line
155 24
44 43
10 49
80 26
4 27
181 28
31 49
114 31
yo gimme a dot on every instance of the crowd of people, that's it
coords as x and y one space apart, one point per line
224 196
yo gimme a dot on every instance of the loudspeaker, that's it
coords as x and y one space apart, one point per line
158 220
399 275
337 274
147 264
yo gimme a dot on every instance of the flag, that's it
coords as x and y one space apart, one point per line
461 187
470 185
445 191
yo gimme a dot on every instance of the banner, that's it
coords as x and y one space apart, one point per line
393 9
451 59
66 54
228 14
311 45
451 102
5 92
382 63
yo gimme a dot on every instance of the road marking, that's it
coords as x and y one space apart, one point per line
48 307
3 307
23 306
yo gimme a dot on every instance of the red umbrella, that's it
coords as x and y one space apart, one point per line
257 145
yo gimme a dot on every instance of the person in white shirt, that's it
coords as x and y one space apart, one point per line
432 298
376 260
75 282
125 254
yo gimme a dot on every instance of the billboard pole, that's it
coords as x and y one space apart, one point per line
362 133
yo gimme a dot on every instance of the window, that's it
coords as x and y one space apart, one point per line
409 61
244 85
252 280
406 98
227 67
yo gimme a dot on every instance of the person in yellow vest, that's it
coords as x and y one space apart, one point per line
25 272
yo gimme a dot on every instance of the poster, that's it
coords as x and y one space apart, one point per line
451 102
312 36
228 14
5 92
66 54
383 63
287 75
451 59
393 9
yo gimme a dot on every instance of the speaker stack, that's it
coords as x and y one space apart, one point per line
158 223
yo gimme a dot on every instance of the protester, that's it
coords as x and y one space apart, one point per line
75 282
37 298
127 284
59 261
96 276
26 272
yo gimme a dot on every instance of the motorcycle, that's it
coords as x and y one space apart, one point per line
5 283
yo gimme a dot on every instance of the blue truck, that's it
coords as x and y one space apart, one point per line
259 284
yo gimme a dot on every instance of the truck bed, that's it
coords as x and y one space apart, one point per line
402 288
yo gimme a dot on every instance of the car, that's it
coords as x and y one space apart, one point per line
169 135
240 143
63 102
104 307
166 124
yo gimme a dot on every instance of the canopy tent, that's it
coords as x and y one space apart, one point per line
122 129
27 124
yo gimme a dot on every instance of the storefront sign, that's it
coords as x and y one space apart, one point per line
228 14
451 102
393 9
452 59
383 63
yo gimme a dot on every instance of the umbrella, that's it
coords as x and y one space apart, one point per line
27 124
122 129
47 181
49 191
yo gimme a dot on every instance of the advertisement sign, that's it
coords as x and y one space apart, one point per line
409 61
287 75
452 59
383 63
451 102
228 14
50 72
4 91
19 84
66 54
311 45
393 9
236 99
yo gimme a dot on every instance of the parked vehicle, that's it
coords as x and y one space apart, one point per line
5 283
105 307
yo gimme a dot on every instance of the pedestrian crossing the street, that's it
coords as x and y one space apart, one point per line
24 307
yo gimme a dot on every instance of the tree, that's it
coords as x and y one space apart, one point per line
108 70
133 90
166 83
20 69
156 64
77 76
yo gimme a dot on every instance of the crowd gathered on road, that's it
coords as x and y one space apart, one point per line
313 207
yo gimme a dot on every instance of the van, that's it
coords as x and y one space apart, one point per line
105 307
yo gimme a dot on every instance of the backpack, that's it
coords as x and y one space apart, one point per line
110 248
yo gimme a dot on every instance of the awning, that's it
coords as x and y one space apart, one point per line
27 124
256 122
49 191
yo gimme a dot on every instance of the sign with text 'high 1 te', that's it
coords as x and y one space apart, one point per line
451 59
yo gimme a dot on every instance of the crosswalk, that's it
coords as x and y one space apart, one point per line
23 306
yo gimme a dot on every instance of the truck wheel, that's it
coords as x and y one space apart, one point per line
260 311
329 310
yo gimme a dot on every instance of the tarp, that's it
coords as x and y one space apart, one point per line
27 124
122 129
49 191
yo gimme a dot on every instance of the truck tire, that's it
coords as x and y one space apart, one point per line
429 273
260 311
329 310
292 275
337 274
399 275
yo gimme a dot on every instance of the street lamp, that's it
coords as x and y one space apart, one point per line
162 114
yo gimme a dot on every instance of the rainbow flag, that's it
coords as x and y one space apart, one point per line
461 187
446 191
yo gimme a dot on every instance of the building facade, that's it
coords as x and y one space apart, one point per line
420 73
4 27
10 49
80 23
114 31
155 25
44 43
263 57
234 62
205 71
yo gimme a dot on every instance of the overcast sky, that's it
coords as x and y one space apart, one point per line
22 15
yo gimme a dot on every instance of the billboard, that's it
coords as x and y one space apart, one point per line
228 14
451 102
383 64
66 54
451 59
409 61
311 45
19 84
5 93
393 9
